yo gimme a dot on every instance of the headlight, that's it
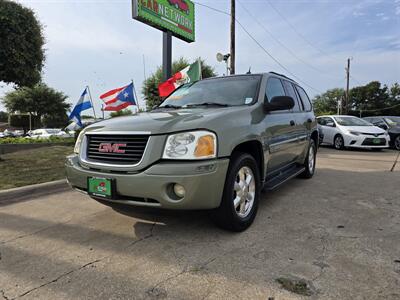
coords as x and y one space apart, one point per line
79 142
354 132
191 145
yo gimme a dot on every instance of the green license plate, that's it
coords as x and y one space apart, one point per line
101 187
376 141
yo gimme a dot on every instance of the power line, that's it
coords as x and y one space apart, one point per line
294 29
261 46
278 41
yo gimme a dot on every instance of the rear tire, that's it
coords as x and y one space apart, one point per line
338 142
241 194
309 163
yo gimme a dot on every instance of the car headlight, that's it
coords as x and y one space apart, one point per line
79 142
191 145
354 132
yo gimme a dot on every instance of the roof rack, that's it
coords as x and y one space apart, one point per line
275 73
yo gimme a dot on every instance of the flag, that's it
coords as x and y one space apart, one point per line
189 74
120 98
83 103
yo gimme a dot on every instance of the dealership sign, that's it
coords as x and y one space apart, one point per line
175 16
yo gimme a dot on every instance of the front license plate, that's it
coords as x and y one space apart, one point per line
376 141
101 187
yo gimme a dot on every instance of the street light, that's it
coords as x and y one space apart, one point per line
225 58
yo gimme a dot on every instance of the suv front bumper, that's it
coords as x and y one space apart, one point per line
203 181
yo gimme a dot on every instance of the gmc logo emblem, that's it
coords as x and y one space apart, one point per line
111 148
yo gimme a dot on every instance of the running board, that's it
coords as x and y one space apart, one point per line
275 182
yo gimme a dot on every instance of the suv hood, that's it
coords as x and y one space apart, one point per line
168 121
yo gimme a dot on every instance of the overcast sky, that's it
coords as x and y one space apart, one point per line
97 43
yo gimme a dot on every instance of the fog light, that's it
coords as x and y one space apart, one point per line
179 190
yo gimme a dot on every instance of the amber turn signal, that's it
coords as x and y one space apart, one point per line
205 146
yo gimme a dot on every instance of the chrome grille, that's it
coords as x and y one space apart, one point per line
116 149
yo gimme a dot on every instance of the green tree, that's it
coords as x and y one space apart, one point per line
121 113
3 116
21 39
150 85
326 103
41 101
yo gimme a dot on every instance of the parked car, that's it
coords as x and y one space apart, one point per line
212 144
347 131
45 133
391 125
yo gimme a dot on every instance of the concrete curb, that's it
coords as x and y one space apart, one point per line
32 191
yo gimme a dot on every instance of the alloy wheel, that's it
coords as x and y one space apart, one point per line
397 142
244 192
311 159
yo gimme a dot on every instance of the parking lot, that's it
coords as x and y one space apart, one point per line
338 234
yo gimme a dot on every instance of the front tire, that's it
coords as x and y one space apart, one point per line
338 142
309 163
396 142
241 194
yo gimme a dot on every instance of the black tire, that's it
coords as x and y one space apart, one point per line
396 142
310 169
226 215
338 142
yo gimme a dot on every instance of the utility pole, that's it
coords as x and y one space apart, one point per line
233 24
346 106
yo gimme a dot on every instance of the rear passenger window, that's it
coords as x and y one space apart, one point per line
274 88
304 98
292 93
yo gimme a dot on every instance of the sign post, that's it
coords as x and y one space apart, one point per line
167 55
173 17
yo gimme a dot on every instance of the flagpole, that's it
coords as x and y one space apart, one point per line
91 101
137 99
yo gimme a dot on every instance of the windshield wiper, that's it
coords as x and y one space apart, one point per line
207 104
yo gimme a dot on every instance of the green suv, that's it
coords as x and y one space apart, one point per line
212 144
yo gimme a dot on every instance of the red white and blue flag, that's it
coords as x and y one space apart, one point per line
120 98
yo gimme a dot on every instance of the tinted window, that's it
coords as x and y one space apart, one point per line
292 93
274 88
304 98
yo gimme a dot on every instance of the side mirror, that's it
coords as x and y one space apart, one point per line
330 124
279 103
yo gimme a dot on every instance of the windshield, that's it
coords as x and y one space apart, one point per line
392 121
351 121
224 91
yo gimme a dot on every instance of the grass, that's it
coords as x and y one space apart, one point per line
33 166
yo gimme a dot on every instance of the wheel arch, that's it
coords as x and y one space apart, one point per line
255 149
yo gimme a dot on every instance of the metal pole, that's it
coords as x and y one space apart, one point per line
233 23
91 101
137 99
347 86
102 110
167 55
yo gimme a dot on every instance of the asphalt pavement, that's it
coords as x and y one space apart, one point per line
336 236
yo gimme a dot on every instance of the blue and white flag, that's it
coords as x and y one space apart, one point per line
83 103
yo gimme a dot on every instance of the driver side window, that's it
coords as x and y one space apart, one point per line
274 88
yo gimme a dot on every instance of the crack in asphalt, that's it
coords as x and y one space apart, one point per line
183 271
81 267
45 228
395 162
4 295
321 260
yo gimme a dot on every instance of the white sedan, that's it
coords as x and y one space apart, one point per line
348 131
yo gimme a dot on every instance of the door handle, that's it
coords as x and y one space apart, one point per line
292 123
